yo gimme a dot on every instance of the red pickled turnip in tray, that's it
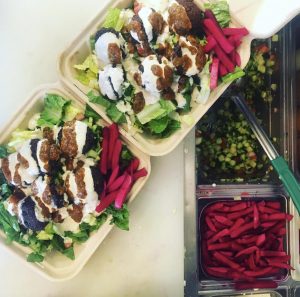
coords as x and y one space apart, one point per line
243 241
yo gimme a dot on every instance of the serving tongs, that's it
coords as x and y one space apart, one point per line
285 174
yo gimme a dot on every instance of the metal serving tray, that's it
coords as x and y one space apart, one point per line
272 114
276 118
294 144
194 287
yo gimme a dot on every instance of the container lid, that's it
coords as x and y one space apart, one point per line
263 18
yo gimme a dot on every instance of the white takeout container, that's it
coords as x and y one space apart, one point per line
79 49
57 267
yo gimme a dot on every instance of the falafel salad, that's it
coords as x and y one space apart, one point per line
152 63
62 178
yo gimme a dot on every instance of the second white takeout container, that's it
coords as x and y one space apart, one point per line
79 49
57 267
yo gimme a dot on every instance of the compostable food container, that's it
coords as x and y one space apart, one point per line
79 49
56 267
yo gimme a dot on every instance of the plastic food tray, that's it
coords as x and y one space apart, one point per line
57 267
79 49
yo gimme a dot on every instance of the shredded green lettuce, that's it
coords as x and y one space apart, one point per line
91 113
35 257
155 111
221 11
90 63
238 72
115 114
87 71
204 84
98 99
71 112
18 137
157 126
120 217
113 19
53 112
3 151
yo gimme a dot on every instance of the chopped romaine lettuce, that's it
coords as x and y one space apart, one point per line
98 99
90 63
87 72
204 84
187 97
150 112
91 113
53 112
188 119
92 42
115 114
35 257
238 72
9 224
58 243
113 19
155 111
18 137
173 126
221 11
167 105
120 217
157 126
71 112
43 235
3 151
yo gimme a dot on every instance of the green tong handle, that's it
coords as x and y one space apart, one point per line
288 179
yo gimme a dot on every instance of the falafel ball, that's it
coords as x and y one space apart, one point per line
30 215
195 15
185 17
108 46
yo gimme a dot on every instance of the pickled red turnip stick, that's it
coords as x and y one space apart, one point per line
218 34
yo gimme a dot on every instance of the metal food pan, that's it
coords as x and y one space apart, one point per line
293 114
272 115
191 198
207 282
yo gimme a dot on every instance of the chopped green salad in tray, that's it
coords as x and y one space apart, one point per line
62 178
227 149
149 65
